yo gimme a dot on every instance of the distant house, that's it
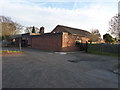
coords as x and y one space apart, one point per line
78 34
61 38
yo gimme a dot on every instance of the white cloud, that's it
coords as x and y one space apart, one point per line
62 0
95 15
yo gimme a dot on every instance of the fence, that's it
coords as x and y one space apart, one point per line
104 48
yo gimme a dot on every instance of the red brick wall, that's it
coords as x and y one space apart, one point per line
84 39
56 42
68 43
49 41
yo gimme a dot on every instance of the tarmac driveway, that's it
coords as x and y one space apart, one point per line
40 69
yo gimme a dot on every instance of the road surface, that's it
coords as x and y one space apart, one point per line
42 69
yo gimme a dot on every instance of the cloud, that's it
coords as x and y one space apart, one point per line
94 15
63 0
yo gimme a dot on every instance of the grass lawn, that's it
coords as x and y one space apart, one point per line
10 52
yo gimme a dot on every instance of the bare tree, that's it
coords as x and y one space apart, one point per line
96 36
5 19
96 32
29 29
9 27
114 24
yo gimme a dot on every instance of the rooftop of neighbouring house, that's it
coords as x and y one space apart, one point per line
73 31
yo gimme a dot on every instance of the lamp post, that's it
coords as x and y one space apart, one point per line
20 37
20 44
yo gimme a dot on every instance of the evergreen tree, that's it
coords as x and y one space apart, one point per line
33 29
108 38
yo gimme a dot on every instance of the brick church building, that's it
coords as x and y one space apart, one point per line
61 38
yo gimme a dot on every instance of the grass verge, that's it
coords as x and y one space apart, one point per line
104 53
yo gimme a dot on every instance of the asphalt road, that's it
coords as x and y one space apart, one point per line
42 69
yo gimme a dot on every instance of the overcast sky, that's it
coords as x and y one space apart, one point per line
82 14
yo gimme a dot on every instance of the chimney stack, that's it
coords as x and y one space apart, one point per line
41 30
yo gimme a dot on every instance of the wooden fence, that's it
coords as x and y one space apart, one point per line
104 48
